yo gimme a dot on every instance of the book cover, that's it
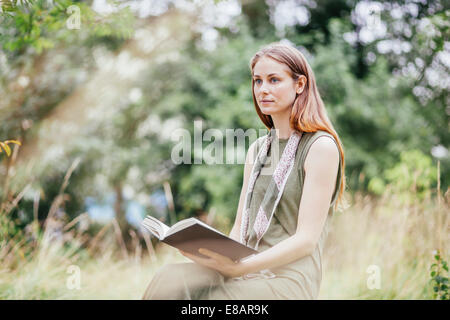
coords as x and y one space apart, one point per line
191 234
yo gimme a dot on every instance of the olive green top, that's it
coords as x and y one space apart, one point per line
307 270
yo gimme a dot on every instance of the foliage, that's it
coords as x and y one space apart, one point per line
411 178
373 115
7 227
440 282
43 59
41 24
4 146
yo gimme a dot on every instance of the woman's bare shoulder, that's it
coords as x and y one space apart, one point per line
323 152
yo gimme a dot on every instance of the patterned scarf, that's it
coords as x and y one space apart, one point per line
274 190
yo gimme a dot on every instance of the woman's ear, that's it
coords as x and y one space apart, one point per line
300 85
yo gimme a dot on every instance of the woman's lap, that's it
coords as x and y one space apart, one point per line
186 281
182 281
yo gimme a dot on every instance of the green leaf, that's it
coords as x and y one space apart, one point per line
6 148
433 273
437 257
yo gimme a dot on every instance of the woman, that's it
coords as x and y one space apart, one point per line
284 212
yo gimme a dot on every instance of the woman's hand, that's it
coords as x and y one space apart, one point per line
218 262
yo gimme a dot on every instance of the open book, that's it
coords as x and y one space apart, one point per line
191 234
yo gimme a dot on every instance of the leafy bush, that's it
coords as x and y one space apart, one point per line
439 269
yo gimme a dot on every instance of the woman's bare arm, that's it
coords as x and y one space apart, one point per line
321 168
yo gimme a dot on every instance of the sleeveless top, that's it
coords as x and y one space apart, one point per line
307 271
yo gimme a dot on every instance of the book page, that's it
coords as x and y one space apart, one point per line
158 228
187 223
180 225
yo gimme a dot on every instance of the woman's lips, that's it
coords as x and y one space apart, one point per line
266 101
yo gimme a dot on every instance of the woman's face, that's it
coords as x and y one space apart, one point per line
274 88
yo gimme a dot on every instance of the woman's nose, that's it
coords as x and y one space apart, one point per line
264 89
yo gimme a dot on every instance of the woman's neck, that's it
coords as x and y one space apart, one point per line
282 128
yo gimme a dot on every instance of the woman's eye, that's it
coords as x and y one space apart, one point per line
258 81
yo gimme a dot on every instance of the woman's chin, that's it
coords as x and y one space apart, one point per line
267 111
273 110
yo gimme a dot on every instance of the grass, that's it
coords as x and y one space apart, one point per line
397 240
50 274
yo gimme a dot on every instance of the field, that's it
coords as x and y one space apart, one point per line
376 249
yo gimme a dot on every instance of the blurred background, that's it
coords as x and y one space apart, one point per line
93 90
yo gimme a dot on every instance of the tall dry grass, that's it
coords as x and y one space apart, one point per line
104 272
397 240
46 259
394 237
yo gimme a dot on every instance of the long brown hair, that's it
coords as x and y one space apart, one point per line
308 112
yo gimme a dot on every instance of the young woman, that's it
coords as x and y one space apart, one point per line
283 212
